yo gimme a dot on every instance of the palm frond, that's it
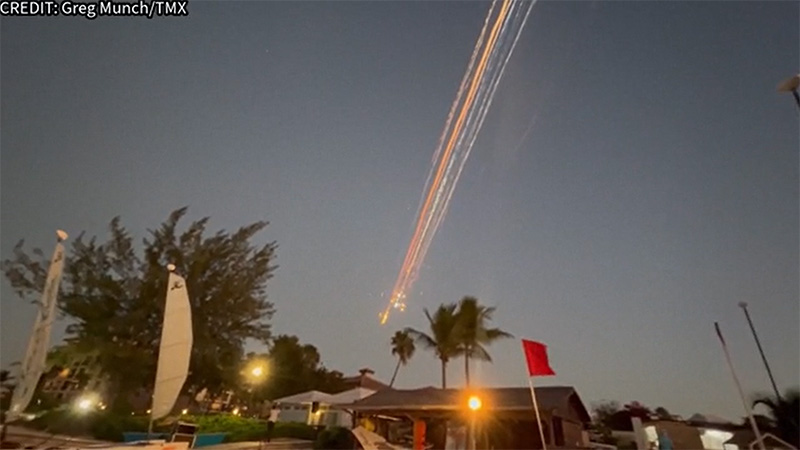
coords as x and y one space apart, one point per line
478 352
422 338
496 333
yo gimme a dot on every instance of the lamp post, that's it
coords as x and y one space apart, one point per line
791 85
256 375
474 403
743 305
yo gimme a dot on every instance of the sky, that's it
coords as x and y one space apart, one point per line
636 178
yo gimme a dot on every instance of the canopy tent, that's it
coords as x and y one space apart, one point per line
306 398
351 396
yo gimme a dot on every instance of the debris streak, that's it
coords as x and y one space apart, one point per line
486 66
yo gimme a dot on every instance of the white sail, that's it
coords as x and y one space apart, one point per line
175 350
35 358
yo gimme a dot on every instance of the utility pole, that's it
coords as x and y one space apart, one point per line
743 305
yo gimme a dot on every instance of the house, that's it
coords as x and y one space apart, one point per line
365 380
70 373
506 416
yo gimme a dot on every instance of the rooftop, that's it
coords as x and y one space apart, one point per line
549 398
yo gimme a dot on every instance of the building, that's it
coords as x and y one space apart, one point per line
505 417
70 373
320 409
305 407
365 380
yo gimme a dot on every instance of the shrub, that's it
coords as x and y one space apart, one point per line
294 430
109 427
63 421
240 429
100 425
336 438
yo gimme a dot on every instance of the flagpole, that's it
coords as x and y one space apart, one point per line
747 409
536 409
535 403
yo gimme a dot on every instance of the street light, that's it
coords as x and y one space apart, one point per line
743 305
87 402
84 404
255 375
474 403
791 85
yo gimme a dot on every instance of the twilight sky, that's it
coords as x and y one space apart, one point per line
635 179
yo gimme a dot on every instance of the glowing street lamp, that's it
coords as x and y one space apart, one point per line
88 402
84 404
255 374
474 403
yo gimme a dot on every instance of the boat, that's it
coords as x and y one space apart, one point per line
33 365
175 349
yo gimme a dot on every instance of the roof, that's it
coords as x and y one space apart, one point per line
350 396
709 419
306 397
364 380
548 398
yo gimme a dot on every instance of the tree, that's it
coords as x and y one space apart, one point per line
785 415
403 348
293 368
605 410
662 413
602 421
443 339
636 409
473 333
610 415
114 297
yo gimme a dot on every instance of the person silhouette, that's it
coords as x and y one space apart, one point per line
273 417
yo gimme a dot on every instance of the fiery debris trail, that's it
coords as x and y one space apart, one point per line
496 43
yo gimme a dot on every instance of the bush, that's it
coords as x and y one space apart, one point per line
63 421
109 427
236 428
294 430
336 438
98 425
240 429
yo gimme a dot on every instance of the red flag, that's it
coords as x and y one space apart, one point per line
536 356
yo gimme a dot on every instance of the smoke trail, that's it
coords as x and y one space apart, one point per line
450 158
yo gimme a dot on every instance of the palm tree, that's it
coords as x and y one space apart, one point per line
473 333
403 348
785 415
443 339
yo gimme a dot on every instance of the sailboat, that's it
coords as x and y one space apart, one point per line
174 354
33 365
175 350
